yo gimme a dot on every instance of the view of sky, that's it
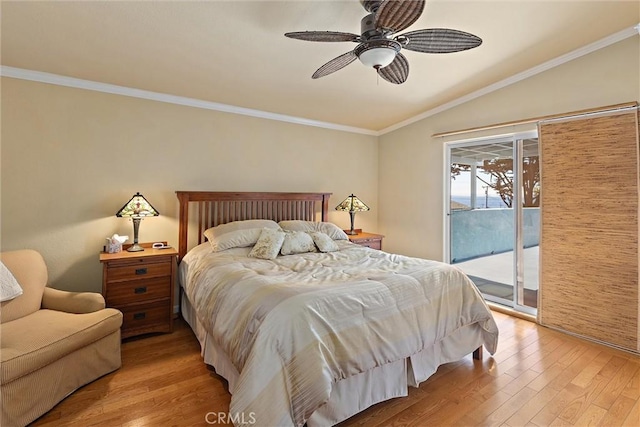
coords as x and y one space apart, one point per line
461 186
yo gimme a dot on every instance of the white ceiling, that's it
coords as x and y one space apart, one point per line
235 52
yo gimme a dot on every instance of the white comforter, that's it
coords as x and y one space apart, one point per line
297 324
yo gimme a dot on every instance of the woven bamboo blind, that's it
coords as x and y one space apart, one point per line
589 230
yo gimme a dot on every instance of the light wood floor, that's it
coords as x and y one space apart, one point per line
538 377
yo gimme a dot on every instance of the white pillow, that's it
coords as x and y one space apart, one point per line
237 234
221 229
323 242
297 242
268 244
9 286
328 228
235 239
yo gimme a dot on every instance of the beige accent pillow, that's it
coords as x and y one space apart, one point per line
237 234
235 239
268 244
327 228
324 242
297 242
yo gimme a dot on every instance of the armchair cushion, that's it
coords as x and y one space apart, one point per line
72 302
43 337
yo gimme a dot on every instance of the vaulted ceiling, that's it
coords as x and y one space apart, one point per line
235 52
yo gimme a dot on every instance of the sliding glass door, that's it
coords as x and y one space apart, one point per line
493 217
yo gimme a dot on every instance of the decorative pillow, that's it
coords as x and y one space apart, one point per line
235 239
237 234
9 286
297 242
323 242
328 228
268 245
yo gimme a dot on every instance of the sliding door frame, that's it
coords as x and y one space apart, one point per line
516 139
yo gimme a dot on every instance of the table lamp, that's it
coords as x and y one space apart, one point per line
137 208
352 205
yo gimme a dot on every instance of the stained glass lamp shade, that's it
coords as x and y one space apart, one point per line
137 208
352 205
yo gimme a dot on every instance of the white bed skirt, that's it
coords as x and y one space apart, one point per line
354 394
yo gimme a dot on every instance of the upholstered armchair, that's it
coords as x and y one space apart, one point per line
52 341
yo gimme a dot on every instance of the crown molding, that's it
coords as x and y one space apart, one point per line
42 77
56 79
585 50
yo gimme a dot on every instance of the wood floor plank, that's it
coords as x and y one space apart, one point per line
592 416
618 412
586 376
617 385
566 395
632 389
553 357
514 387
539 377
583 397
540 348
525 414
633 419
510 407
546 377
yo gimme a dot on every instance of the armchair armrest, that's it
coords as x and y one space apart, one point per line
72 302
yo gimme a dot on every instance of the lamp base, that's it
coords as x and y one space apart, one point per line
135 248
351 232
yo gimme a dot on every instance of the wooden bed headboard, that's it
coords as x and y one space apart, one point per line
219 207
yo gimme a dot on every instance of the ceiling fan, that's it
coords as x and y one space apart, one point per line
380 49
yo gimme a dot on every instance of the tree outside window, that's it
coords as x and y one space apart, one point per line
500 173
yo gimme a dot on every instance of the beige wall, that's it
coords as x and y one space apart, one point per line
411 173
71 158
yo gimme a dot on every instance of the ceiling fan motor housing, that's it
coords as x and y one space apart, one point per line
370 5
368 27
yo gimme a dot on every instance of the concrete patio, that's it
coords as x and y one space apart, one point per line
493 274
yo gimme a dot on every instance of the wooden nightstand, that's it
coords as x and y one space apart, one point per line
140 284
370 240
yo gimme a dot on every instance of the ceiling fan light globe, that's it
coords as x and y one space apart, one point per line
377 53
378 57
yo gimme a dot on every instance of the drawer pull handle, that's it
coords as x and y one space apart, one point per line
140 290
139 316
141 271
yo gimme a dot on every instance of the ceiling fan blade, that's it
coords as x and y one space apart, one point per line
324 36
438 40
396 72
334 65
396 15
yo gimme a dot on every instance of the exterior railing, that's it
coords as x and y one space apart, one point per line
480 232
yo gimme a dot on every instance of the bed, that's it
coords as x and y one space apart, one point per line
316 337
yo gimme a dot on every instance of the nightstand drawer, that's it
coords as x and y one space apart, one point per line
135 271
138 291
142 317
371 243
